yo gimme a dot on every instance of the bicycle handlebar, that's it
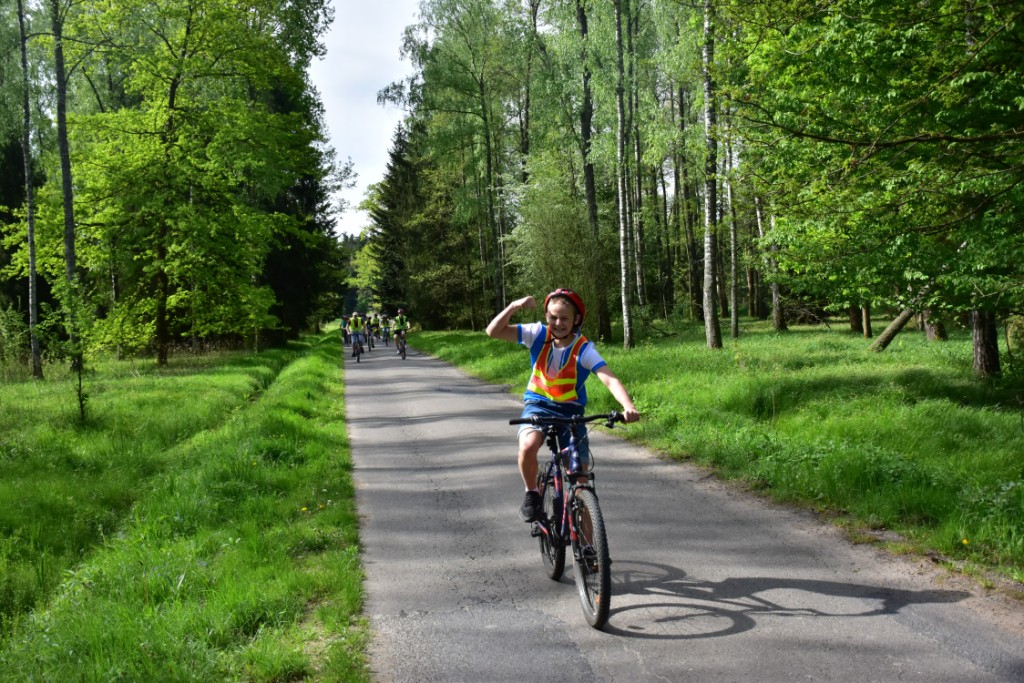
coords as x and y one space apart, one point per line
546 420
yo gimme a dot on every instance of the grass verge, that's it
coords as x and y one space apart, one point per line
905 441
212 531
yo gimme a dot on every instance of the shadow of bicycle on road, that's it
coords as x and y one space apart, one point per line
664 602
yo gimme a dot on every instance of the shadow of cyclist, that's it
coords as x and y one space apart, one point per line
691 608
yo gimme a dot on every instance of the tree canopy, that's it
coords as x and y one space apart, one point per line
799 158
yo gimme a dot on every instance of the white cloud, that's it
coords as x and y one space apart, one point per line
362 58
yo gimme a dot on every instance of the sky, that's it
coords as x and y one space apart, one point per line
362 57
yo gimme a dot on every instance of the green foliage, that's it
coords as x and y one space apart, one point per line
14 341
201 180
886 139
908 441
552 246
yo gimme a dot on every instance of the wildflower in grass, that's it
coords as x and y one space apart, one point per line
965 542
304 509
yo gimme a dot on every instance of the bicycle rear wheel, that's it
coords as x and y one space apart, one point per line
552 550
591 562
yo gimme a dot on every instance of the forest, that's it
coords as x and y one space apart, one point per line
166 181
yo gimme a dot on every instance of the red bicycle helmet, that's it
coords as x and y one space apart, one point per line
572 296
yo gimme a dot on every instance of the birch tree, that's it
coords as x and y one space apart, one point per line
712 330
621 180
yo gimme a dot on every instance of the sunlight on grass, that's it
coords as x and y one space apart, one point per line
906 439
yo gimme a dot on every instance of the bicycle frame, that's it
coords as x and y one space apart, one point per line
565 496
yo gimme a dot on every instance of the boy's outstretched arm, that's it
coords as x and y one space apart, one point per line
614 384
499 328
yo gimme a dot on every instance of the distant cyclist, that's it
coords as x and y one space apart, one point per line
401 326
357 326
374 325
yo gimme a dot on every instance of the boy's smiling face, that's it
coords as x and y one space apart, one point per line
561 317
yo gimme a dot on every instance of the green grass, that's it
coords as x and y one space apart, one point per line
201 526
905 440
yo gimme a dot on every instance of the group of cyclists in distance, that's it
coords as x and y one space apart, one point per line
561 358
360 329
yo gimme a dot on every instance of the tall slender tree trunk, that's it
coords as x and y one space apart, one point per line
676 238
638 220
985 335
604 323
734 283
620 106
712 330
693 263
26 151
637 237
666 253
67 191
722 267
865 316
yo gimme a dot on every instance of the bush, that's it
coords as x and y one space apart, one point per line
14 343
1015 333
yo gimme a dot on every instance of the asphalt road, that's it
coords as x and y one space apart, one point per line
709 583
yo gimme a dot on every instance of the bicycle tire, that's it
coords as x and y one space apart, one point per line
552 552
359 351
591 562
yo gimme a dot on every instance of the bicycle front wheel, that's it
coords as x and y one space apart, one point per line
552 549
592 564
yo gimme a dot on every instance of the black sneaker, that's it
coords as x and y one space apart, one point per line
533 509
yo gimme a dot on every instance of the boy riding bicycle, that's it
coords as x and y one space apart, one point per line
562 359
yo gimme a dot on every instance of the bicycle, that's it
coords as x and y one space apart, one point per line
357 345
400 343
572 515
